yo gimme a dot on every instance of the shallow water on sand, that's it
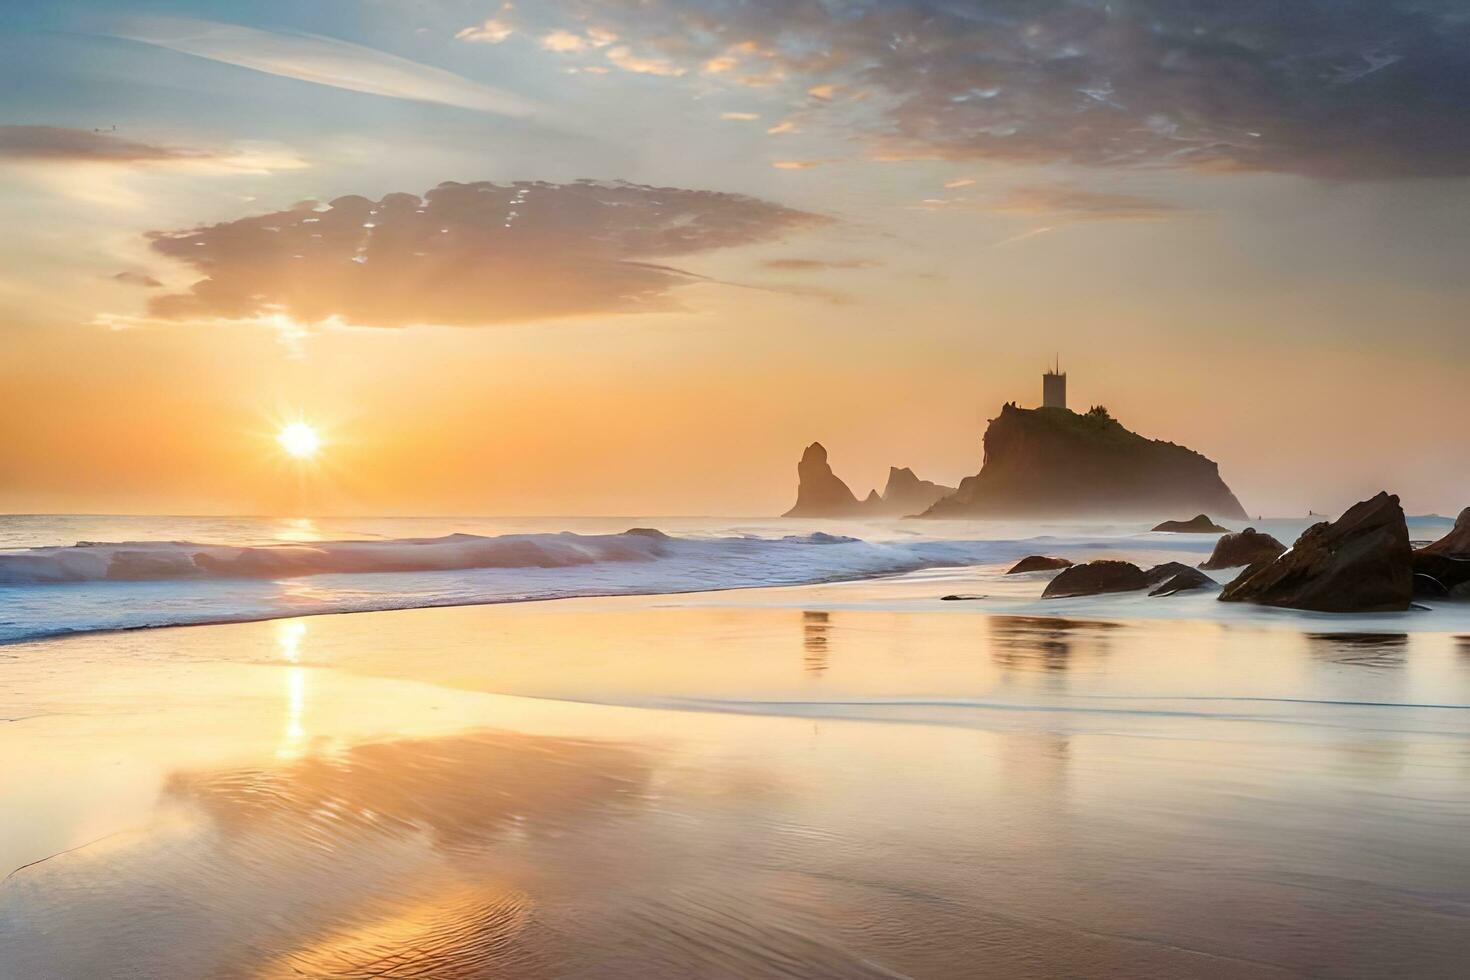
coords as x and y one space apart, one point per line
845 780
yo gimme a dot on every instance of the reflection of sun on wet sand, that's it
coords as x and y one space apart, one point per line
637 787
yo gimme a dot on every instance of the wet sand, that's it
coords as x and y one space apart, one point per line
837 781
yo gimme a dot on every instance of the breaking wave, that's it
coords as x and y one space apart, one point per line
128 585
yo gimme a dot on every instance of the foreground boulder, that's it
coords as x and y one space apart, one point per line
1442 569
1095 578
1360 562
1457 542
1244 548
1199 524
1038 563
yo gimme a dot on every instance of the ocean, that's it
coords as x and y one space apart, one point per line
67 574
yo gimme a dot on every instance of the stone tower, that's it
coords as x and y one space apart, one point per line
1054 387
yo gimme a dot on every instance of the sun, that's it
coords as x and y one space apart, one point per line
299 440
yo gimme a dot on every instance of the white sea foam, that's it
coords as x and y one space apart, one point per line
92 586
241 569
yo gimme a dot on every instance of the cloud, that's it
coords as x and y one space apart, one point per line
491 31
624 58
464 254
1023 236
564 42
138 279
103 168
325 61
796 164
783 127
1078 203
795 264
54 143
1336 89
1059 202
741 116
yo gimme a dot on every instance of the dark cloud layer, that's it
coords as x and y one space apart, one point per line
476 253
79 145
1329 88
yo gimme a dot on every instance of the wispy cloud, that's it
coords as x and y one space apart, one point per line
1023 236
103 168
491 31
324 61
801 264
57 143
1060 202
1081 204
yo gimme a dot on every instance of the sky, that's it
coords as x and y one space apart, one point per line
631 256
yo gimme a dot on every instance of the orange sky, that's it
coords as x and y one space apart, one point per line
667 345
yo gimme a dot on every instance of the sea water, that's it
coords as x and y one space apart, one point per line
64 574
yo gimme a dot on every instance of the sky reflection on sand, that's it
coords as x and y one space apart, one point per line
373 795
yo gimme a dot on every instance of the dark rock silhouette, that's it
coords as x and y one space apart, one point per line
906 494
820 493
1164 572
1051 461
1360 562
1094 578
1243 548
1200 524
1442 569
1184 579
1457 542
1038 563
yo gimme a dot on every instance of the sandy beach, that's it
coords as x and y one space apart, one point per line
836 780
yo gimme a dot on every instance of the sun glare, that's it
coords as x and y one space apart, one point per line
299 440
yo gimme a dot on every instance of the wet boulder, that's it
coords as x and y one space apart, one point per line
1243 548
1185 579
1360 562
1442 569
1199 524
1095 578
1038 563
1457 542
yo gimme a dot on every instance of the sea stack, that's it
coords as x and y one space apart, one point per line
1055 462
820 493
